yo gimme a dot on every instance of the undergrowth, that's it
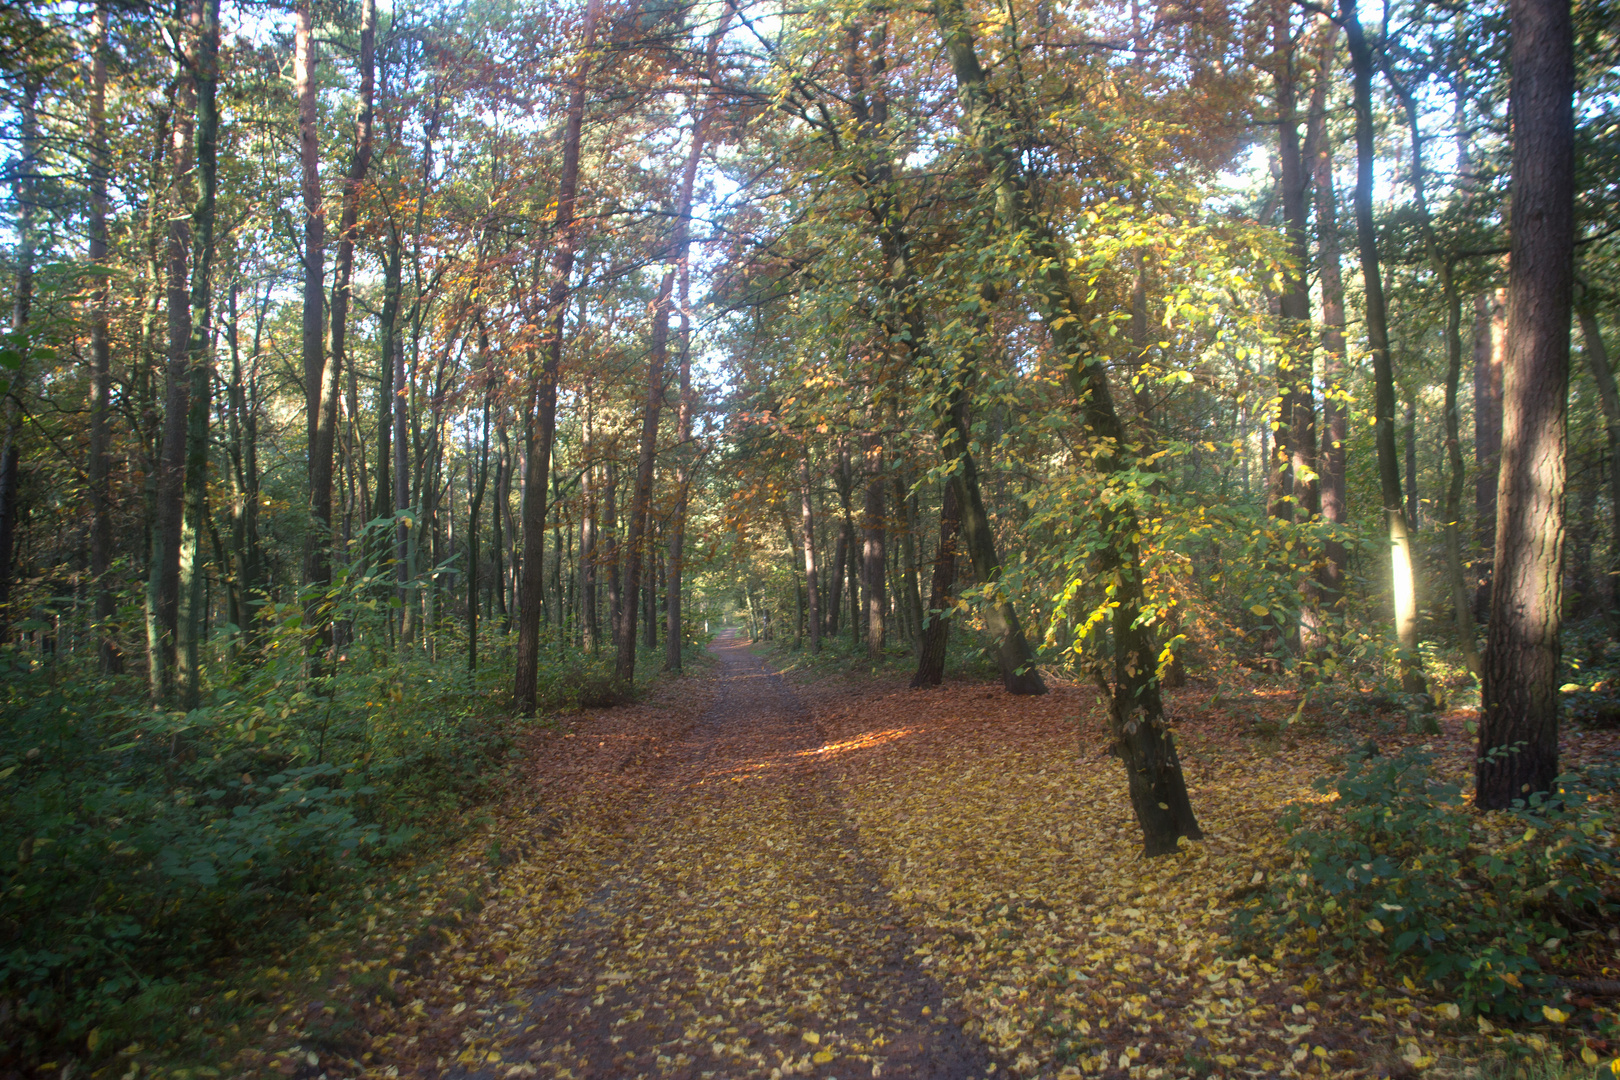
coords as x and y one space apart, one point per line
1481 906
141 849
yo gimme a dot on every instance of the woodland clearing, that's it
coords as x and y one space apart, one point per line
830 875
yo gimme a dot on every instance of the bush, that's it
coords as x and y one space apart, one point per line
1401 868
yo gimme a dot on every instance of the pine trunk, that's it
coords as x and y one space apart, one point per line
1518 736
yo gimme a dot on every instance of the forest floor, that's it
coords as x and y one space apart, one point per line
830 875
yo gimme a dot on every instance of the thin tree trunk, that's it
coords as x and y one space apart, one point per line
25 188
873 539
200 359
591 634
320 375
163 582
348 231
1444 268
101 534
475 508
1335 414
1141 735
1403 580
537 467
673 634
1490 346
1597 361
1518 734
931 656
807 526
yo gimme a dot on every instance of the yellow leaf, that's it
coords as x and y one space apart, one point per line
1554 1016
1375 926
812 1038
1261 610
1449 1011
1589 1055
822 1057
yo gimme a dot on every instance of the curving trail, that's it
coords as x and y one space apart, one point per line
744 935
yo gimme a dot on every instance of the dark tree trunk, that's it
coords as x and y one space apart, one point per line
320 371
101 532
190 630
807 524
163 579
872 545
25 188
937 625
1490 344
1518 735
590 630
348 226
537 467
474 510
1597 361
1137 723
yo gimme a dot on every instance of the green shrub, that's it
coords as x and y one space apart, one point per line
1476 903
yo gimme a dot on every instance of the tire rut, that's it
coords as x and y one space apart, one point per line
744 936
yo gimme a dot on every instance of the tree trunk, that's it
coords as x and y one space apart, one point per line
587 554
474 509
931 656
873 536
101 533
1490 345
807 525
1518 735
163 580
1444 268
1597 361
538 465
1335 413
25 194
674 638
200 359
320 376
348 226
1403 582
1141 735
1296 435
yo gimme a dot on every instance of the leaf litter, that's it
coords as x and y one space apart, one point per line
881 882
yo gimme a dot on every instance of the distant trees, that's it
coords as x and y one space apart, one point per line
632 315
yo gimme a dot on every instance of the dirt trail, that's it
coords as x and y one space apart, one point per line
744 934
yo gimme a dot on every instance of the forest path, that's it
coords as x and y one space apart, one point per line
743 933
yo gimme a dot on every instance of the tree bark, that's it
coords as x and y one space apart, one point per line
474 509
101 533
163 581
1403 582
807 526
1335 414
348 225
1518 735
537 467
1598 362
1296 435
873 537
1142 737
200 360
937 627
1490 345
320 377
674 637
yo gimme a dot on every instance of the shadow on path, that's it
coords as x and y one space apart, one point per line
743 935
